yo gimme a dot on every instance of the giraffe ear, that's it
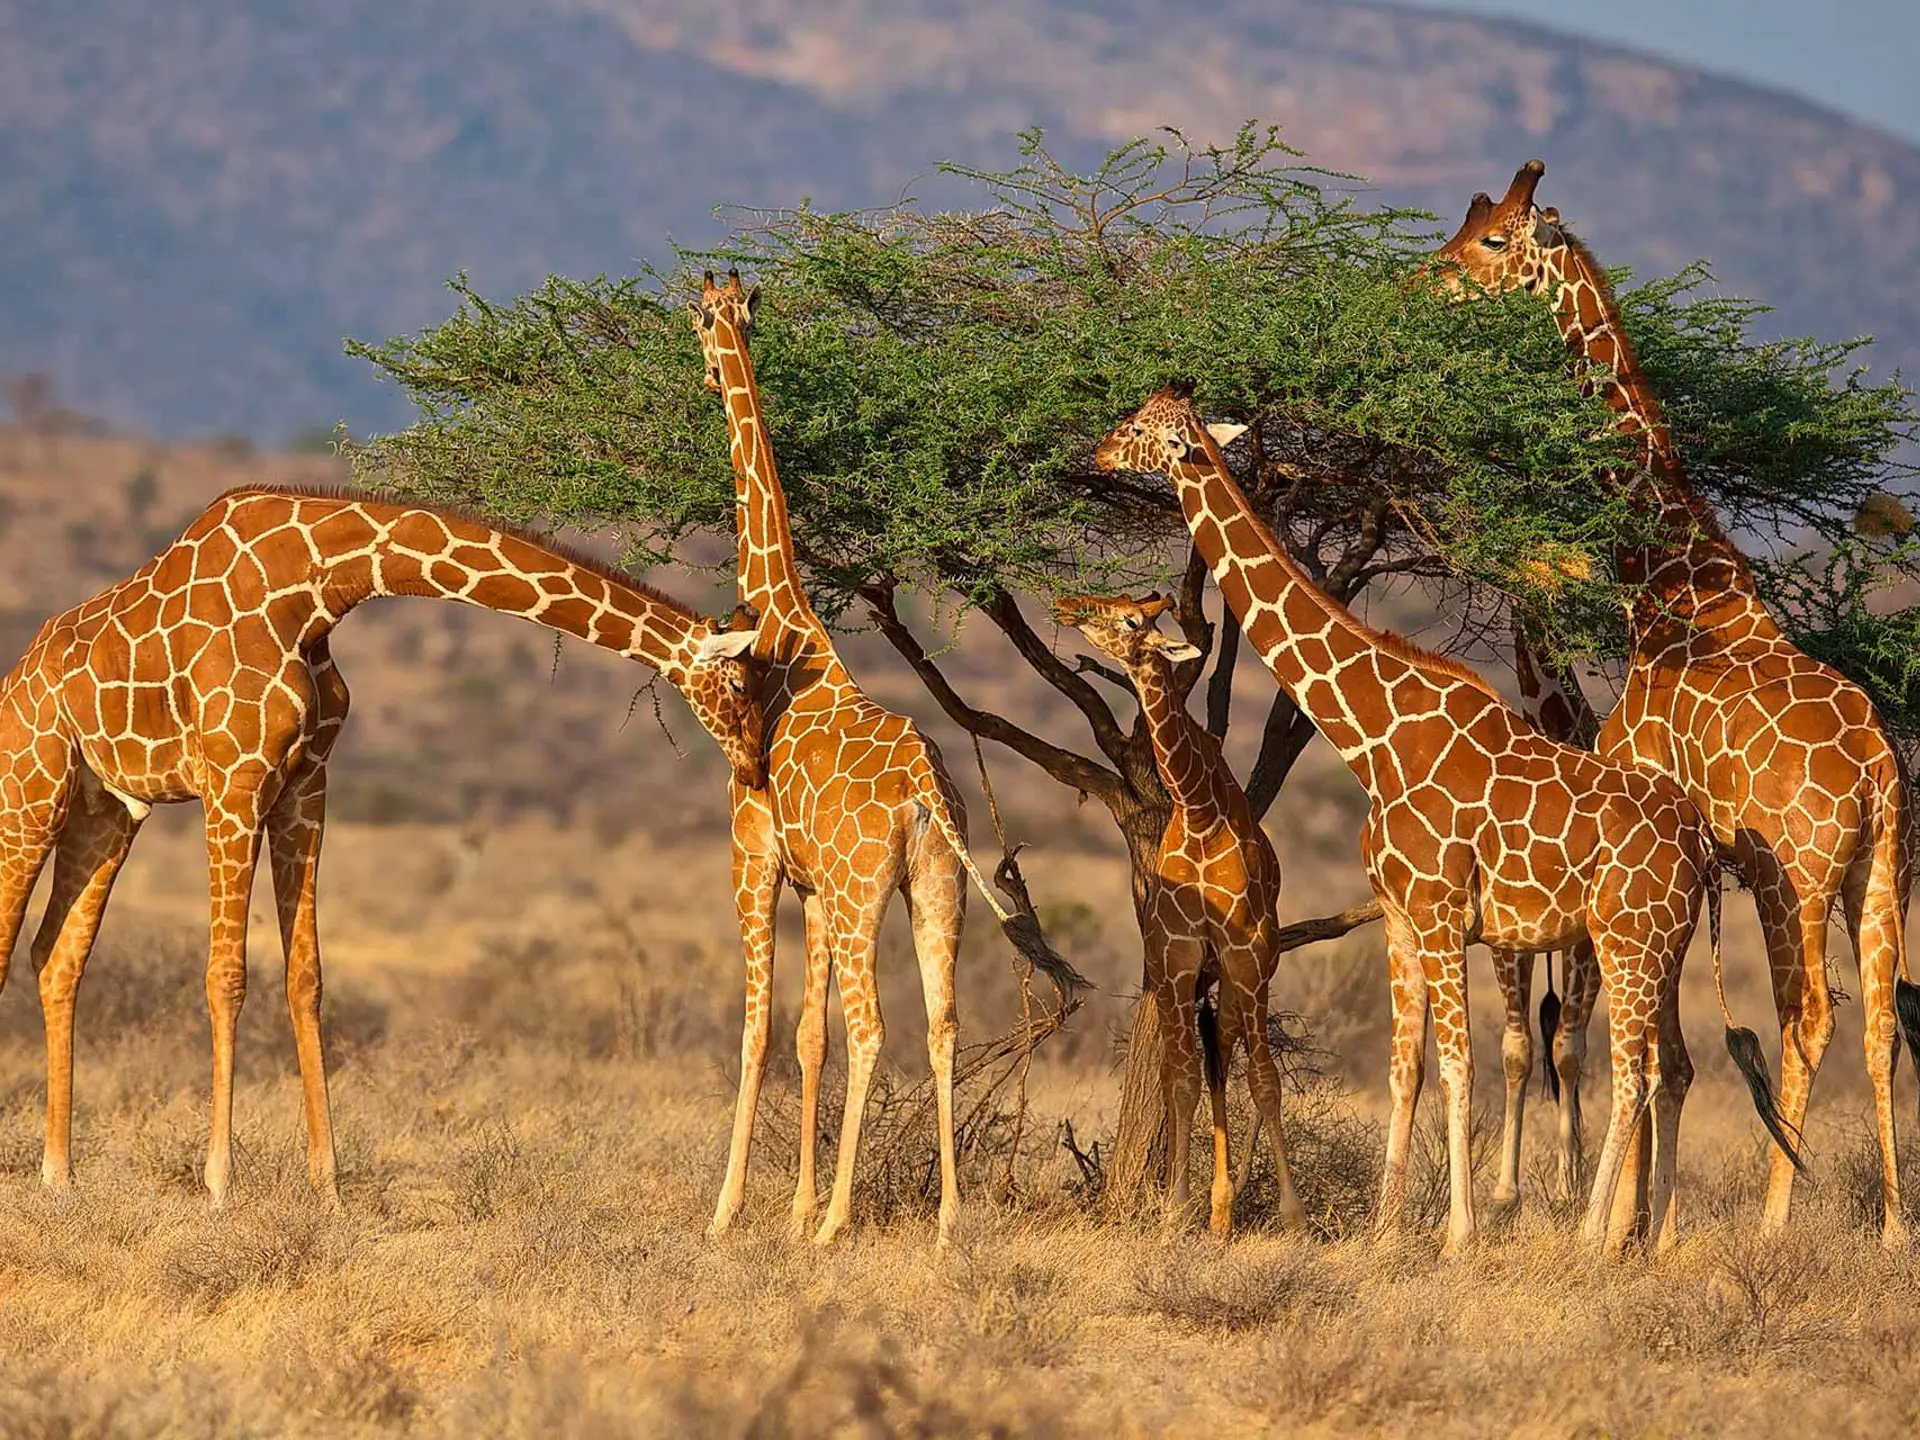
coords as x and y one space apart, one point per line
725 645
1181 389
1225 432
753 302
1179 651
1544 225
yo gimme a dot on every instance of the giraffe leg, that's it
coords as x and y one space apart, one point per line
1173 969
1446 979
1217 1035
756 888
810 1044
855 953
1581 977
1797 954
936 894
233 847
1628 1034
295 828
1875 924
1673 1079
1263 1079
1405 1068
1514 971
93 846
30 823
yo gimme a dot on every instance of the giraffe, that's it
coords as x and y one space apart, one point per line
857 806
1785 757
1211 912
1553 703
1481 829
208 673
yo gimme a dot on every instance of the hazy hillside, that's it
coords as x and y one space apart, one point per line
203 198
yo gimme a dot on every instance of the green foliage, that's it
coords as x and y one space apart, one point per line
935 382
1832 606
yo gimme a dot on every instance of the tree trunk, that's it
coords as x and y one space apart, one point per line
1138 1163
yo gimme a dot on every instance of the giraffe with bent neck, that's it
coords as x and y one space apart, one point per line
1785 757
1211 915
208 674
857 806
1481 830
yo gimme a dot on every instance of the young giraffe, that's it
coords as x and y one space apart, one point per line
1212 913
1481 829
1784 756
857 806
207 673
1553 703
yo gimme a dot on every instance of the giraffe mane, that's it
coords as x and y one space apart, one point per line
559 549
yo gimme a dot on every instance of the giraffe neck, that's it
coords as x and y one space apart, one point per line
769 578
1701 566
1550 696
1348 678
1180 747
358 550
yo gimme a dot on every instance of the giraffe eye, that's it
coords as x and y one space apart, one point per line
1129 622
1493 242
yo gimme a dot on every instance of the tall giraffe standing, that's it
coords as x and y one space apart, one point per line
857 806
208 673
1481 829
1554 704
1212 915
1784 756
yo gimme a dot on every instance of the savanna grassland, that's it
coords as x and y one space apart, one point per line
532 1020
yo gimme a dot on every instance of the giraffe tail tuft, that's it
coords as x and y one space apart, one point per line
1744 1046
1021 926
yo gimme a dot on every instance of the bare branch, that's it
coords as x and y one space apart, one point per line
1220 684
1063 765
1004 611
1325 927
1286 735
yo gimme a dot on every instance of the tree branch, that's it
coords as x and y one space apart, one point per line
1004 611
1191 611
1325 927
1087 665
1220 683
1285 737
1063 765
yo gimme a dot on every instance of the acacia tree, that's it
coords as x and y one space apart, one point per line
935 380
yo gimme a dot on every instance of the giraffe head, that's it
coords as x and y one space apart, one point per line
721 687
1504 245
1164 432
732 304
1127 630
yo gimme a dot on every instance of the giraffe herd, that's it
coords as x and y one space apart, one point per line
1532 830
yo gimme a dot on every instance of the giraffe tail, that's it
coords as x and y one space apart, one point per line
1549 1027
1744 1046
1022 926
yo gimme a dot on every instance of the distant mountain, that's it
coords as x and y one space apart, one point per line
202 198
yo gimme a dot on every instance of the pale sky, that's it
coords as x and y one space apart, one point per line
1854 56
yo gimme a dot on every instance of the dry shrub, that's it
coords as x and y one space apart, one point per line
1333 1152
276 1243
60 1404
849 1380
344 1382
1235 1289
1767 1299
1022 1310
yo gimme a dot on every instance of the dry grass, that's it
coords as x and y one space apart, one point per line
532 1130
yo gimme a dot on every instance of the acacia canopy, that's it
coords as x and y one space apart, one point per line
935 380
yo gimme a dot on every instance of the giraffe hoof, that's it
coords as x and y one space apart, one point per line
1893 1236
1503 1207
828 1232
56 1177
